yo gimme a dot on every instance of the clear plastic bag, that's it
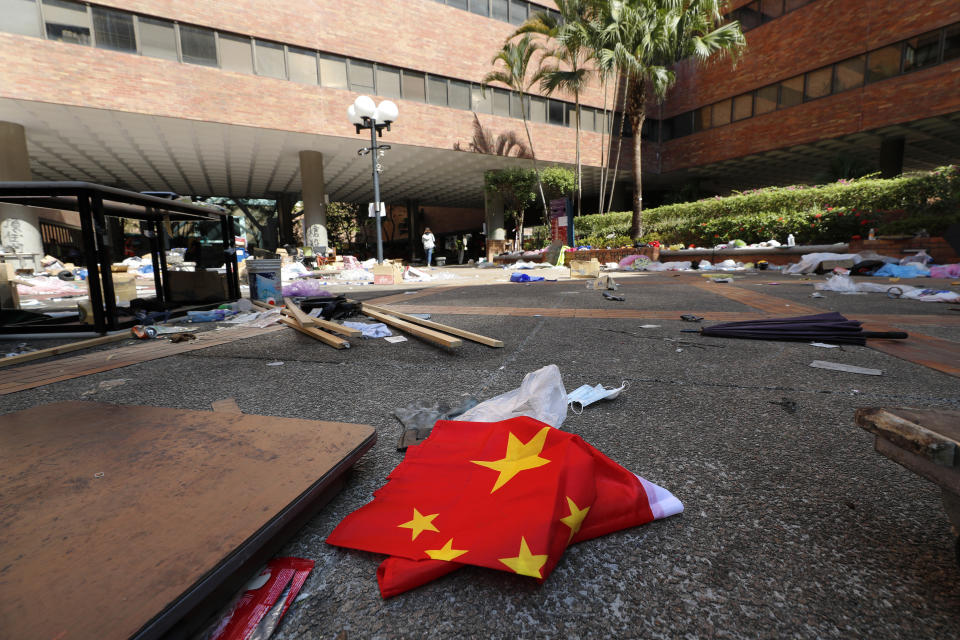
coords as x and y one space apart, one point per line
541 396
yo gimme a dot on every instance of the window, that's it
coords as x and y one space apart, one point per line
921 51
515 107
771 9
198 45
749 16
158 39
303 65
571 114
414 86
499 9
437 91
20 16
361 76
883 63
743 106
849 74
721 113
501 102
587 118
791 92
682 125
67 21
388 81
951 43
790 5
236 54
818 83
270 60
114 30
554 112
333 71
458 4
602 123
480 7
766 99
518 12
538 110
701 118
459 94
481 100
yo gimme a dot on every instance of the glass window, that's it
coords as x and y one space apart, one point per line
749 16
921 51
67 21
771 9
587 118
602 122
818 83
499 10
951 43
114 30
743 106
20 16
459 94
458 4
437 91
538 110
481 101
790 5
333 71
236 54
791 92
480 7
303 65
388 81
701 118
515 110
518 11
883 63
571 114
721 113
554 112
682 124
361 76
158 39
766 100
198 45
849 74
414 86
270 59
501 102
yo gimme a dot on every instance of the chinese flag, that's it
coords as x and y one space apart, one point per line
508 495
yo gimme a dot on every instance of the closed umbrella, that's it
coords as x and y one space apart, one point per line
823 327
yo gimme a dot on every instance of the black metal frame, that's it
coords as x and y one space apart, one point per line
93 202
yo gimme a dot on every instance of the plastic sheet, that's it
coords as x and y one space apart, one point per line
523 277
945 271
541 396
306 288
809 262
910 270
372 330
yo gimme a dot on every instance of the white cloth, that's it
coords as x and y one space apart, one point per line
429 242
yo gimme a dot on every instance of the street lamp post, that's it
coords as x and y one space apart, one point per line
364 114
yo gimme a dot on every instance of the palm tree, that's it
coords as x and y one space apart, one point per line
517 75
643 39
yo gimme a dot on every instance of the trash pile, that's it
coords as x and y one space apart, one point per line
845 284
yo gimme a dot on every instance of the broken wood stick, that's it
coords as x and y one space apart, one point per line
64 348
475 337
297 313
423 333
322 336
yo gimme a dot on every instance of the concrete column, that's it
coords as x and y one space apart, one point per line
891 157
314 200
19 225
496 233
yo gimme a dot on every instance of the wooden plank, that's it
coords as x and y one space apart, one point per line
423 333
475 337
934 435
295 311
125 516
226 405
303 319
316 334
64 348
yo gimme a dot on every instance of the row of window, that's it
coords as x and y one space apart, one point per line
515 12
760 12
131 33
903 57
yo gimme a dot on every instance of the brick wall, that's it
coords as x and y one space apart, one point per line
937 248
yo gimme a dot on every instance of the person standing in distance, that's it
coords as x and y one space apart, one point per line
429 242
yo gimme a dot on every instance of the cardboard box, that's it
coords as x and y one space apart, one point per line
583 269
124 287
197 286
387 273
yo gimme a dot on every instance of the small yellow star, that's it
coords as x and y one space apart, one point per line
446 552
526 564
420 523
575 519
520 456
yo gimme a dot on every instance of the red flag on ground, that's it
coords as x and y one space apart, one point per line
506 495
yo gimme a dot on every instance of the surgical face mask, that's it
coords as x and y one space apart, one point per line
586 395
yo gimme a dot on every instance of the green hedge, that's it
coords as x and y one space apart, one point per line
814 215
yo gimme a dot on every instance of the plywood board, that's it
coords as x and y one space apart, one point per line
109 517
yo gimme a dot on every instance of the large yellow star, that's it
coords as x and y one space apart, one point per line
446 552
520 457
526 564
420 523
575 519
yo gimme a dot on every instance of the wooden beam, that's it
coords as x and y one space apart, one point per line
423 333
322 336
475 337
64 348
297 314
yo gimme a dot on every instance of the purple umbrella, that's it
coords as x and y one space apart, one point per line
822 327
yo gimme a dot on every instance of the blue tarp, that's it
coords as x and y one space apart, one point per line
524 277
910 270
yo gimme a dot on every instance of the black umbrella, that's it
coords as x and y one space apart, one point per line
822 327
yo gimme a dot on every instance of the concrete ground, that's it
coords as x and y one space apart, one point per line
793 525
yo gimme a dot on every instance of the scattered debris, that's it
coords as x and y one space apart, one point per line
226 405
418 419
274 364
824 345
395 339
610 296
689 317
586 395
105 385
848 368
790 406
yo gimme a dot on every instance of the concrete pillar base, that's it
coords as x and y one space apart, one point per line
314 201
19 225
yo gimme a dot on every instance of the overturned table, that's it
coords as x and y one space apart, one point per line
132 521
